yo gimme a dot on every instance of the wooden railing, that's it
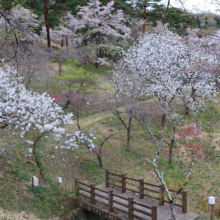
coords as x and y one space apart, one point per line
120 181
110 200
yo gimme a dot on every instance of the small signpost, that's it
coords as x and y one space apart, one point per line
212 203
59 181
34 181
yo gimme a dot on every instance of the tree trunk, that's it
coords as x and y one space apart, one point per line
62 43
173 213
193 94
97 51
41 176
59 69
100 160
144 25
77 119
171 151
96 65
164 119
128 134
187 109
67 45
47 23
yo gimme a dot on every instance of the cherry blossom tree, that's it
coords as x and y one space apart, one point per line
98 23
191 136
15 26
25 17
161 65
25 110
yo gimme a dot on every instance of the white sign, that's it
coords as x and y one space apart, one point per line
211 200
30 150
59 179
34 181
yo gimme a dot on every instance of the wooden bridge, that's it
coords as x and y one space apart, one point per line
122 198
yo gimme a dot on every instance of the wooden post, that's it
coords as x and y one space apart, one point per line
77 188
123 183
58 188
130 208
154 212
212 212
184 201
141 190
107 178
110 200
161 200
92 192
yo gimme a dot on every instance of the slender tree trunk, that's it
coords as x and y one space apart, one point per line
59 69
187 110
129 133
67 45
62 43
164 119
171 151
144 25
47 23
96 65
100 160
41 176
193 94
173 213
77 119
97 51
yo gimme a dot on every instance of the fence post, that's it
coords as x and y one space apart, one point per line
107 178
130 208
154 212
110 200
141 191
184 201
92 192
77 188
123 183
161 200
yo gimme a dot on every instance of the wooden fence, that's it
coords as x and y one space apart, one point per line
110 200
120 181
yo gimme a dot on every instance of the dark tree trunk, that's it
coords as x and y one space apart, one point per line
100 160
96 65
187 110
193 95
164 119
41 176
77 120
62 43
67 103
128 133
171 151
144 25
59 69
67 45
47 23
